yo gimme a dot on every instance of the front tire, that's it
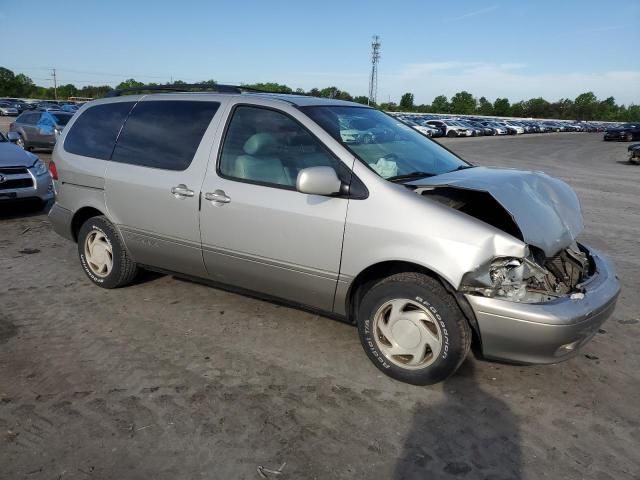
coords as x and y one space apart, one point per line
103 255
452 134
412 329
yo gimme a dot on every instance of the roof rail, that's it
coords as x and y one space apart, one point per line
182 87
186 87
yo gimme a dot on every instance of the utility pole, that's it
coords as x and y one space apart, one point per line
55 85
373 79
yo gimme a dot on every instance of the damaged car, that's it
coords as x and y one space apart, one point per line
270 194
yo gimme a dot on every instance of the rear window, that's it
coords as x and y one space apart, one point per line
61 119
94 133
164 134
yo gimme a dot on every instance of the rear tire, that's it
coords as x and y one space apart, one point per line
412 329
103 255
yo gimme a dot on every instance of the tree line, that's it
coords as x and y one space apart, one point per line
585 106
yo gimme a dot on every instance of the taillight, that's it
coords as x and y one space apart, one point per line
53 170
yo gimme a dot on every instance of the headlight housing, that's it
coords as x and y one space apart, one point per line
39 168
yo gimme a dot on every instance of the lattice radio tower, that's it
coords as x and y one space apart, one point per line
373 80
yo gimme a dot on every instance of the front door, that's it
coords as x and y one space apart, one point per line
258 232
153 181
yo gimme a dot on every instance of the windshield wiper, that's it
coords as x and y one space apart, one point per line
462 167
410 176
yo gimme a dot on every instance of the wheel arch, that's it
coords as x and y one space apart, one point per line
80 216
373 273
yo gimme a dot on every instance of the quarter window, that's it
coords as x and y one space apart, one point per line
94 133
268 147
164 134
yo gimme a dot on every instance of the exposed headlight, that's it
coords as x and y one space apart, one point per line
507 275
39 168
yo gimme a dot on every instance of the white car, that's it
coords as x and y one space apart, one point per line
424 129
7 109
450 128
517 128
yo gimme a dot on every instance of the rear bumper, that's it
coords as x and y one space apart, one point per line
60 219
546 332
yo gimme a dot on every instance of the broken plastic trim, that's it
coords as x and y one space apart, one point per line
525 280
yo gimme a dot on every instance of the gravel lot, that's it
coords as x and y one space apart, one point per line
169 379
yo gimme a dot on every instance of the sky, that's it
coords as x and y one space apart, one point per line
515 49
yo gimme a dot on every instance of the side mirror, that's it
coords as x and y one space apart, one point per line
13 137
318 181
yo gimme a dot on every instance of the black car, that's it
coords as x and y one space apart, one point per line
634 153
625 131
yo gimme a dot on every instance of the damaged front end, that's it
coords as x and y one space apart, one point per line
533 279
535 208
543 304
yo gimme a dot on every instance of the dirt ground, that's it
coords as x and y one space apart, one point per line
169 379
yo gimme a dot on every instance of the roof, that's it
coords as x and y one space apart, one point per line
227 90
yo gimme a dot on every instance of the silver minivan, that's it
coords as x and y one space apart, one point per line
423 251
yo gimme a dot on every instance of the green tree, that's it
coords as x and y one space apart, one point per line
270 87
66 91
363 99
440 104
607 109
518 109
537 108
406 102
586 106
563 108
501 107
463 103
130 83
485 107
630 113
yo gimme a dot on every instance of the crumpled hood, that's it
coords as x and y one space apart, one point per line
546 210
13 156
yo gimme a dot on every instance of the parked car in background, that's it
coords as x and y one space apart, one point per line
475 130
450 128
512 128
424 129
48 107
8 110
23 176
634 153
626 132
37 129
70 107
498 129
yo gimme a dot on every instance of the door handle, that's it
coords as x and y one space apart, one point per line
217 196
182 191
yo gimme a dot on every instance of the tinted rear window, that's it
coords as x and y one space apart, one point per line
61 119
164 134
94 133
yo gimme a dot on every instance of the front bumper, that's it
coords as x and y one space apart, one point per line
41 188
615 135
546 332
